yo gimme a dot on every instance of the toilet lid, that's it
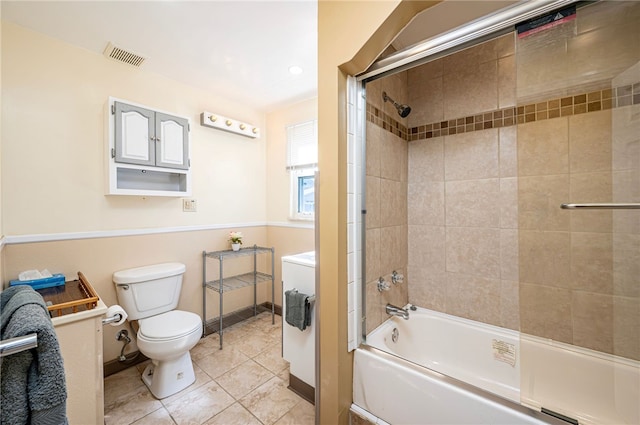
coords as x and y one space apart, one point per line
169 325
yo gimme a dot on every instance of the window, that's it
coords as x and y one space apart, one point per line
302 162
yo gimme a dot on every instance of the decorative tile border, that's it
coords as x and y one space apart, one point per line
559 107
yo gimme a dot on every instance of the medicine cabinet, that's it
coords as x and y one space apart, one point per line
148 151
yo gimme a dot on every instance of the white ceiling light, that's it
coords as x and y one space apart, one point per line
295 70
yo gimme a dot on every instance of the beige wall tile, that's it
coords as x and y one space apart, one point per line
427 71
626 264
592 262
373 253
427 248
426 99
507 81
474 55
545 258
509 203
393 249
508 146
510 304
374 93
373 202
626 325
472 203
543 147
474 298
590 142
509 268
373 308
539 199
626 187
592 316
470 89
546 312
470 156
587 188
426 203
506 44
428 287
393 203
625 130
426 160
393 157
474 251
374 149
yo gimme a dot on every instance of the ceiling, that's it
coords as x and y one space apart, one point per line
240 50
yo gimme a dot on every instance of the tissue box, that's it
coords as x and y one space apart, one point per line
46 282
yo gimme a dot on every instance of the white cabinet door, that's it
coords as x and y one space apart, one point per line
134 133
172 141
146 137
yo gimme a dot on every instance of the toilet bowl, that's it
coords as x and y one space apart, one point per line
165 335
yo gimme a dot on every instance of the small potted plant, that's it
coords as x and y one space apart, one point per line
236 240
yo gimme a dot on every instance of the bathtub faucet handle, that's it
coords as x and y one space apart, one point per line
383 285
397 277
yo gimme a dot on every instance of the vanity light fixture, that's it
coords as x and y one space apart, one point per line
209 119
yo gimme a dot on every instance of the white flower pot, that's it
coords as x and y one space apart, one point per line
235 246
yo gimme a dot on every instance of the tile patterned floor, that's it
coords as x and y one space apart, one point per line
244 384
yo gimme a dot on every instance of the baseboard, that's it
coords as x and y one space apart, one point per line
230 319
115 366
303 389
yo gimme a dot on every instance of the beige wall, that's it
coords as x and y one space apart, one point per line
53 176
53 131
97 259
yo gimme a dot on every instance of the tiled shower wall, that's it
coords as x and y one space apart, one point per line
462 191
495 146
386 203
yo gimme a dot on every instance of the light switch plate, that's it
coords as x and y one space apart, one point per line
189 205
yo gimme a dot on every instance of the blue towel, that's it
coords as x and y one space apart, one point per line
298 310
32 381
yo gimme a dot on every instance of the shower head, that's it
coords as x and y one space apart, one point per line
403 110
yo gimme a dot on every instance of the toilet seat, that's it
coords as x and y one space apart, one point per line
173 324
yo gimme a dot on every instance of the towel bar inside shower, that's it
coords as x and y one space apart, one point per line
605 206
18 344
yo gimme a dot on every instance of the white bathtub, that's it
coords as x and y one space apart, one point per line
483 355
453 350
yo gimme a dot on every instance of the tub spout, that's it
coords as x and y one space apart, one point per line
397 311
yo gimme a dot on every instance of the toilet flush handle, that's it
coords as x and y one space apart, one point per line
123 286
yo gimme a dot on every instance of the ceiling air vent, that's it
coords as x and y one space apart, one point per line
121 55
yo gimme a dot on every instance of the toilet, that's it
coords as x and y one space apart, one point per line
150 295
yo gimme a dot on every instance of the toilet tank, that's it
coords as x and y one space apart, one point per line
149 290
